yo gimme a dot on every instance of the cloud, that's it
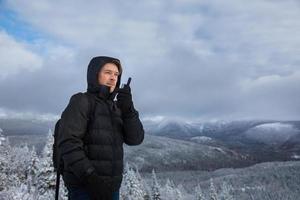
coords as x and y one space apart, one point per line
9 114
187 58
274 96
16 57
44 89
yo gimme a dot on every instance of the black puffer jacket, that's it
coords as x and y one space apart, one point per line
96 144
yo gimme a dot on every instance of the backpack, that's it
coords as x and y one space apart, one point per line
56 159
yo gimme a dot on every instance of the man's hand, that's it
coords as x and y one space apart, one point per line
124 101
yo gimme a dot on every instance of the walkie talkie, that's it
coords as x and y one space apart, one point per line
122 86
128 82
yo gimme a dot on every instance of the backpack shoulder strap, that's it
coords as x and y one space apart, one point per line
92 104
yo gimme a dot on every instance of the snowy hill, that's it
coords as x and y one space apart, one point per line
264 181
185 130
262 140
171 128
259 130
202 139
12 126
164 154
292 147
272 133
23 174
253 140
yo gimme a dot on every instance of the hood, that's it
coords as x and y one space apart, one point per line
94 67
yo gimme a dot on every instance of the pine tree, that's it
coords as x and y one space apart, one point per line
20 192
22 162
170 191
2 138
46 177
132 184
212 191
199 193
178 194
32 171
4 161
225 192
155 189
18 168
124 190
19 159
146 192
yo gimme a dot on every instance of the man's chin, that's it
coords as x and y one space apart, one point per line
111 89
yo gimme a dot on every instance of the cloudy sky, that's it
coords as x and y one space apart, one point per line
196 59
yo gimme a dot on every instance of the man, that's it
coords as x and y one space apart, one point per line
92 147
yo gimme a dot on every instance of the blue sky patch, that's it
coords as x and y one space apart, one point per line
11 23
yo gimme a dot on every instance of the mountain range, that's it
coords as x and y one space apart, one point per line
177 144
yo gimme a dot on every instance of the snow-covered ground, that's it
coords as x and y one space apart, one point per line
179 163
26 176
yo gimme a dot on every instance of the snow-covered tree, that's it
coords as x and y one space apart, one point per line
178 192
170 191
4 160
225 192
133 188
24 175
145 188
181 192
46 177
2 138
155 188
21 192
212 191
18 167
20 164
198 193
33 169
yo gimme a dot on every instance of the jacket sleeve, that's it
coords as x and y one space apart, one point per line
73 126
133 129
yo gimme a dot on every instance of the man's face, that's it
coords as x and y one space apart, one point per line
109 75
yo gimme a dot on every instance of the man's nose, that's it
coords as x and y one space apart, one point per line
113 77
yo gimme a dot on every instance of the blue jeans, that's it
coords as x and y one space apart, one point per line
81 194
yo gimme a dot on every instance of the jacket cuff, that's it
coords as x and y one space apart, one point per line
131 114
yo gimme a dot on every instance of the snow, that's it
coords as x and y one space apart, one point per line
272 133
153 119
2 138
202 139
8 114
295 156
277 126
167 122
31 177
26 176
